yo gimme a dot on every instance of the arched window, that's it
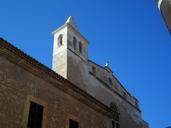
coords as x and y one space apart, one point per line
114 107
74 43
93 70
80 47
110 81
136 103
115 120
115 124
124 95
60 40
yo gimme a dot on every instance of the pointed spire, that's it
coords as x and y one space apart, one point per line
70 21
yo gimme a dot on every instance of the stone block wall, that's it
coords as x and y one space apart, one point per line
17 85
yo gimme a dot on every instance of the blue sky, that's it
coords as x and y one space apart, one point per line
130 34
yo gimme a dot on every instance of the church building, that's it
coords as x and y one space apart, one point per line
75 93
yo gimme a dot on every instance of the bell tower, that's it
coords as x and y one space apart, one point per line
70 53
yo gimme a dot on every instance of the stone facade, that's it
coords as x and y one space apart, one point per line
80 90
22 79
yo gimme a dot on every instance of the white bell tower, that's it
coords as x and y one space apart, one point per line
69 50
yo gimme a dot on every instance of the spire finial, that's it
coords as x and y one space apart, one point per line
107 64
71 21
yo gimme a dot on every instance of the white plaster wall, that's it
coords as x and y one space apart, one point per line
59 61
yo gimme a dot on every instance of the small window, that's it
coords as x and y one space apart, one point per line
115 119
35 116
74 43
110 81
114 107
115 124
136 103
73 124
93 70
80 47
125 95
60 40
